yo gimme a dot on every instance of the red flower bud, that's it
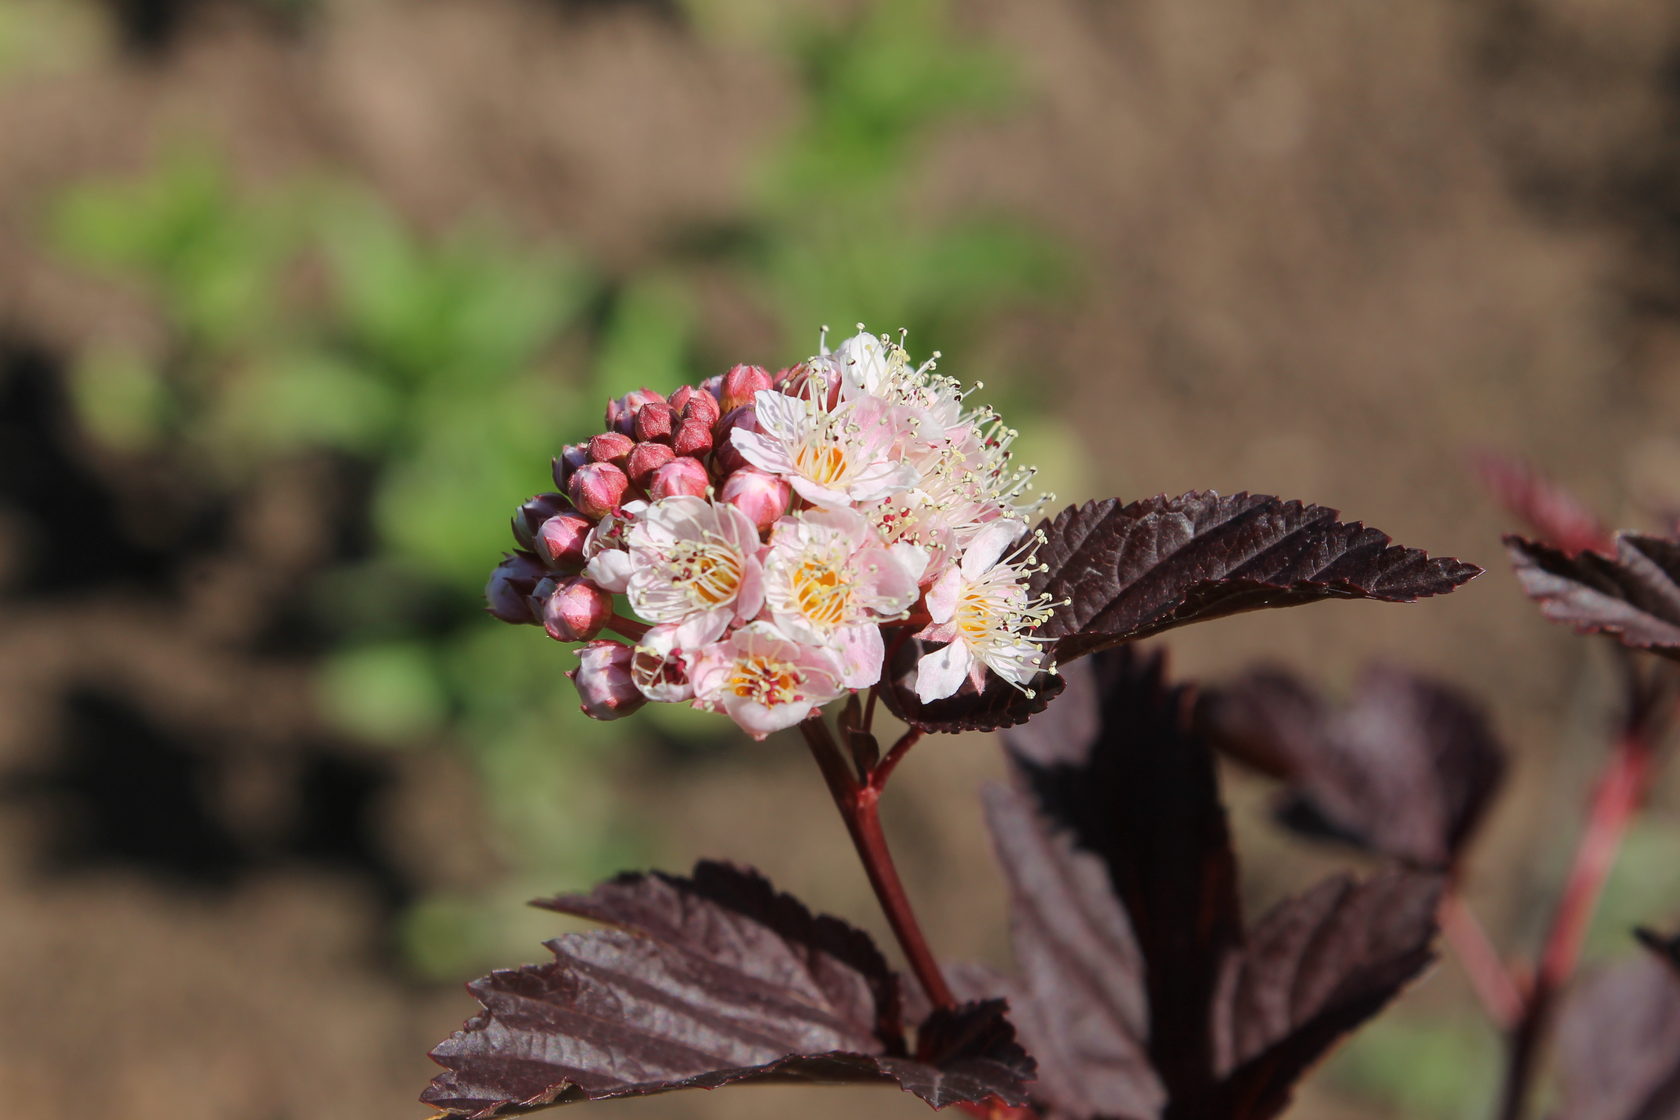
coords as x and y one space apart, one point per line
713 387
703 407
646 458
603 680
507 594
596 489
621 413
560 540
724 456
693 438
610 447
762 497
681 475
679 399
571 457
575 610
740 385
529 516
655 421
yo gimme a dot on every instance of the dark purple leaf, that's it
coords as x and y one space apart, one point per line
1138 993
1081 1000
1405 769
1134 570
1117 767
1121 572
1667 948
1314 968
1551 511
1619 1045
706 981
1634 595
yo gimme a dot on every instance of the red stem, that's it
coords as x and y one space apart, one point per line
629 627
859 808
1483 967
1620 789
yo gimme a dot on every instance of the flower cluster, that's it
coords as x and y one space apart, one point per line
772 534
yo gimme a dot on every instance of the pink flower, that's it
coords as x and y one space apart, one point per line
608 564
830 581
603 681
659 666
764 680
695 561
833 457
981 610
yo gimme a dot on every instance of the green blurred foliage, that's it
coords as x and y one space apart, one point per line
1419 1065
308 319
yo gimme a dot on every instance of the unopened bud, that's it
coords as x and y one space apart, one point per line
762 497
603 680
679 399
713 387
575 610
571 457
621 413
693 438
702 407
596 489
530 516
645 458
741 384
560 540
610 447
724 456
507 594
655 421
680 476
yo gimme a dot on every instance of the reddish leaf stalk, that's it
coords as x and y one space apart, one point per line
1489 979
859 803
629 627
1620 789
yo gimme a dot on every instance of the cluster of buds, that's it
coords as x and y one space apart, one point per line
770 535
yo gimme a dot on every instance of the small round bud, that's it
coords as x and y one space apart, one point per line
679 399
621 413
507 594
603 680
560 540
596 489
693 437
681 475
575 610
655 421
713 387
610 447
762 497
530 516
702 407
571 457
724 456
741 384
645 458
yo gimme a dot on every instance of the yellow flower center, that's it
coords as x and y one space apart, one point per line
820 593
765 680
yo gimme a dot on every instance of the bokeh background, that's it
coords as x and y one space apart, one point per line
297 297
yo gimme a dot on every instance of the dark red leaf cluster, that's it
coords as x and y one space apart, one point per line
1666 947
705 981
1141 993
1405 769
1633 594
1619 1044
1118 572
1554 514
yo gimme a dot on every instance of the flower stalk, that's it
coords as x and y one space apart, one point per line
859 806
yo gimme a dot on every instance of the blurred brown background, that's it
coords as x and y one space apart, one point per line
297 296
